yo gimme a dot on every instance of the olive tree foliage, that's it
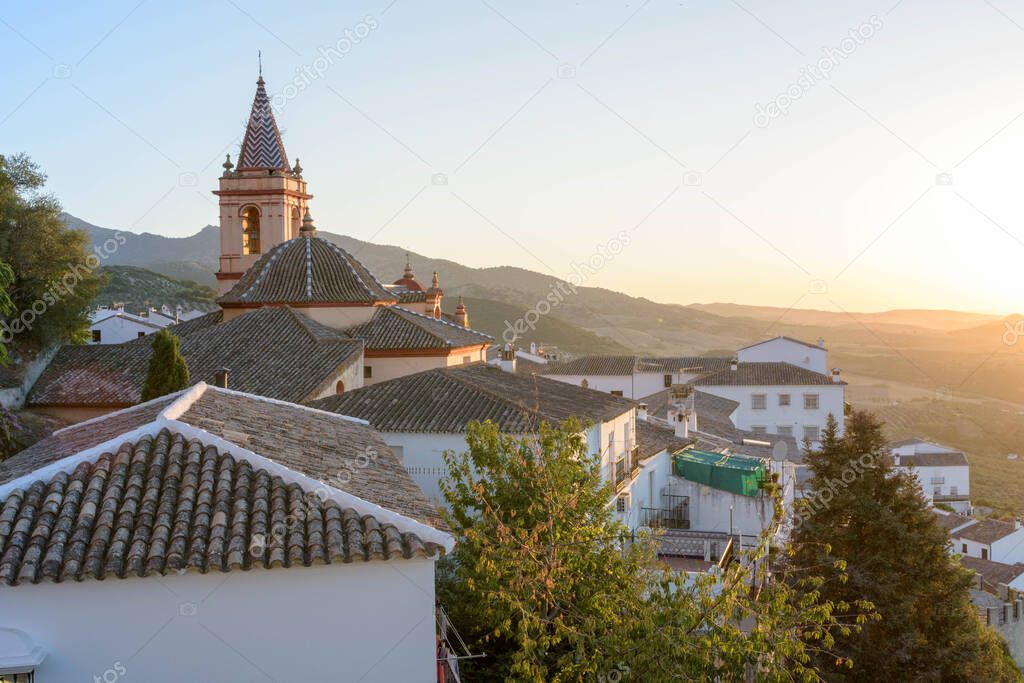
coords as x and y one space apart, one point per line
548 586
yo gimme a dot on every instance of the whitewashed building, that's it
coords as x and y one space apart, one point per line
990 539
944 472
213 535
115 326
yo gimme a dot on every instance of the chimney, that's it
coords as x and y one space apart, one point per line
533 348
220 378
835 375
734 364
681 423
1016 523
641 412
461 314
508 358
821 342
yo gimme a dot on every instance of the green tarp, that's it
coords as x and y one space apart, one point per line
734 473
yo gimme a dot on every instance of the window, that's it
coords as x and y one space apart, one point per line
964 549
626 432
953 490
811 432
97 336
616 392
810 401
937 491
466 360
622 504
783 399
984 553
784 430
758 401
938 480
339 388
668 380
367 372
141 335
251 230
759 430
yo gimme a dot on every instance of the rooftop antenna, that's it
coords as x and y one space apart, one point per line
259 56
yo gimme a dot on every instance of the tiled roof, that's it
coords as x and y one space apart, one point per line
985 531
342 453
765 374
653 439
167 503
395 327
411 296
934 460
262 147
789 339
950 521
304 270
993 573
273 352
594 365
627 365
691 364
446 400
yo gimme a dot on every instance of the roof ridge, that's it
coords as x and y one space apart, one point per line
349 258
274 401
438 320
271 257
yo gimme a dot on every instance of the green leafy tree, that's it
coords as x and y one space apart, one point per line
6 307
872 521
549 587
168 371
55 274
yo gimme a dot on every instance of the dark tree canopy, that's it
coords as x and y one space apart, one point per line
168 371
54 271
863 515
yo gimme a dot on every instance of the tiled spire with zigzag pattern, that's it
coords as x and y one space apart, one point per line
262 147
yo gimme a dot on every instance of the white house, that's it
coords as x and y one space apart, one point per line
220 536
990 539
787 350
778 398
115 326
944 473
632 376
423 415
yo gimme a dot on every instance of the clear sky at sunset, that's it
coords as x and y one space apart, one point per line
537 133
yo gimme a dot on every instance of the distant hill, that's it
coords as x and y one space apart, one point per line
139 289
929 319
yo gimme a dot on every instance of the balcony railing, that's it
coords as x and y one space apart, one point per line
666 518
620 473
634 461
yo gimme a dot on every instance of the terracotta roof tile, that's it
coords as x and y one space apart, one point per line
765 374
395 327
273 352
445 400
166 503
307 269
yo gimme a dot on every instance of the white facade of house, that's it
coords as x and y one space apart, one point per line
644 491
1009 549
366 621
801 354
749 415
383 368
635 386
119 327
422 454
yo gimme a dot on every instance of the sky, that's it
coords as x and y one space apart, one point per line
851 156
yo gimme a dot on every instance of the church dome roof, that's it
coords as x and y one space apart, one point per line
307 270
410 284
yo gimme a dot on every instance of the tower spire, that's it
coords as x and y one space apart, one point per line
262 148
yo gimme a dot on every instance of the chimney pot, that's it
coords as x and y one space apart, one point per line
835 375
734 364
641 412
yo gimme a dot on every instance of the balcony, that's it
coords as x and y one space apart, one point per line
620 474
634 461
675 513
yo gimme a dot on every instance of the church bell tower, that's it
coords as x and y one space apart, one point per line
262 199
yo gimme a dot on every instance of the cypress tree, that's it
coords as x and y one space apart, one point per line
168 371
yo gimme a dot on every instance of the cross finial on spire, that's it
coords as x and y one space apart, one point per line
259 56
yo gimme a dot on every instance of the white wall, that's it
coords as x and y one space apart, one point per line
117 329
830 400
955 476
369 621
637 385
1009 549
391 367
786 351
645 490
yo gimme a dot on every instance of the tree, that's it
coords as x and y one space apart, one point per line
55 274
6 306
548 586
863 515
168 371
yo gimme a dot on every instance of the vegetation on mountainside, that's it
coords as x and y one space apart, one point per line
139 289
548 586
868 533
6 306
55 276
168 371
